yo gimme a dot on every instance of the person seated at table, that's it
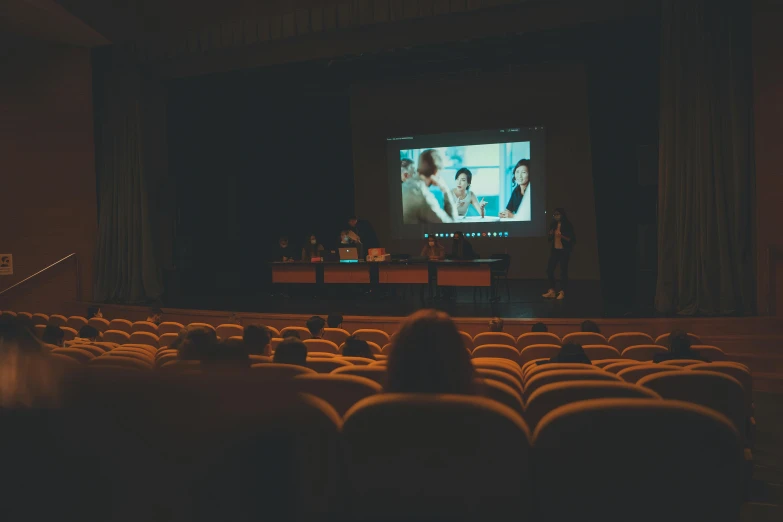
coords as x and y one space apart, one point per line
291 351
433 250
569 353
679 348
354 347
461 248
316 325
312 248
284 251
349 240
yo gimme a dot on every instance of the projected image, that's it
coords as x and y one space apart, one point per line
467 183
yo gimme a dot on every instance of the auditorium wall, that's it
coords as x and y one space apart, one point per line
554 96
768 105
47 167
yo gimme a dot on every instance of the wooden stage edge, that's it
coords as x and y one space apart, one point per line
751 335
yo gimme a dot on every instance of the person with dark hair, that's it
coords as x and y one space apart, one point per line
316 326
407 169
155 315
292 333
433 250
87 334
569 353
257 340
419 204
590 326
354 347
291 351
679 348
334 320
518 207
428 356
563 238
362 232
312 248
539 327
197 343
94 311
226 354
53 335
465 197
496 324
284 252
461 247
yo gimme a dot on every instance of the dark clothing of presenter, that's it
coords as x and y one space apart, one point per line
462 250
560 253
366 234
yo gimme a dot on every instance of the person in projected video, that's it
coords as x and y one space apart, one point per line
518 207
407 170
464 196
419 204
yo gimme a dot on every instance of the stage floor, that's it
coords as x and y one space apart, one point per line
583 300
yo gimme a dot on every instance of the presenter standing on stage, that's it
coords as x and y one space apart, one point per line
563 238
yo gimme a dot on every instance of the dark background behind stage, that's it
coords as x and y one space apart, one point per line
264 151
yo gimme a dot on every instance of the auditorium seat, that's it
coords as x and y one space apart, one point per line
623 340
378 337
663 339
258 359
600 351
224 331
64 361
336 335
361 361
494 338
502 393
633 373
122 325
386 348
321 345
76 322
736 370
106 345
498 351
717 391
79 354
379 363
94 350
467 459
322 355
38 330
538 351
70 333
682 363
498 375
527 365
530 338
143 338
169 327
712 353
467 339
603 363
536 381
131 352
121 361
206 326
144 326
40 319
643 352
374 348
372 372
273 342
177 366
9 312
166 339
584 338
340 391
171 355
301 331
616 367
276 371
552 396
26 315
148 348
636 459
99 323
57 320
550 367
275 332
503 365
326 365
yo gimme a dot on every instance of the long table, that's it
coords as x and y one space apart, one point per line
474 272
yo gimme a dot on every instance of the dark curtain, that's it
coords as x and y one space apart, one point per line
126 265
705 255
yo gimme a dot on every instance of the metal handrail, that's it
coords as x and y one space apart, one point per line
44 270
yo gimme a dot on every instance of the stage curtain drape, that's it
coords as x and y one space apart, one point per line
705 243
126 265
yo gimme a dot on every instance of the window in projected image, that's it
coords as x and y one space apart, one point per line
483 177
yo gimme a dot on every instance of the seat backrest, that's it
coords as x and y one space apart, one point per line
500 376
429 471
548 398
661 444
538 351
321 345
643 352
585 338
550 367
94 350
494 338
79 354
40 319
166 339
99 323
529 364
169 327
542 379
502 393
603 363
70 333
224 331
663 339
712 353
467 339
742 374
273 342
360 361
144 326
378 337
374 348
718 391
39 329
171 356
375 373
147 348
503 365
336 335
682 363
616 367
144 338
341 391
206 326
76 322
57 320
633 373
623 340
303 332
122 360
530 338
277 371
600 351
499 351
123 325
326 365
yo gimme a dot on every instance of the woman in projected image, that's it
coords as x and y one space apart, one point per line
464 196
518 207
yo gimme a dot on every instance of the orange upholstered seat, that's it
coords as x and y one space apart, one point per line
99 323
643 352
170 327
122 325
341 391
378 337
538 351
494 338
530 338
321 345
498 351
621 341
502 393
336 335
633 373
278 371
144 326
224 331
300 331
326 365
372 372
537 381
467 340
600 351
76 322
584 338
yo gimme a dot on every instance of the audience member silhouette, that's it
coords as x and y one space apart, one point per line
316 326
590 326
94 311
569 353
155 315
257 340
679 348
291 351
354 347
197 343
334 320
539 327
428 356
87 334
53 335
496 324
